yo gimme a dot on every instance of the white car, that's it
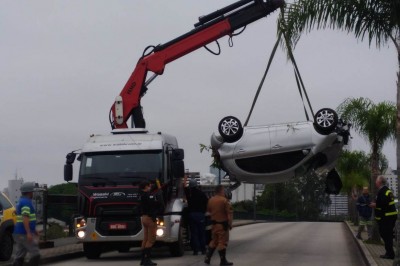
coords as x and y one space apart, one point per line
276 153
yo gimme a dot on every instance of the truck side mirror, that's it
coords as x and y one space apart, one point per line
68 172
70 158
178 168
178 154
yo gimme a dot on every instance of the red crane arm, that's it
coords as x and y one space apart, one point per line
210 28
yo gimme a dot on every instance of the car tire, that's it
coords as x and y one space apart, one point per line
6 246
230 129
325 121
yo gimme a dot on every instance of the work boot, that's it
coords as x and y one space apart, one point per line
209 254
224 262
147 255
18 262
359 236
142 257
34 261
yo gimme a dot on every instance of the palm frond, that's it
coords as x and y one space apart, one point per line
368 18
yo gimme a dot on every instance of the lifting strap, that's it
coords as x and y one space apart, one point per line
299 80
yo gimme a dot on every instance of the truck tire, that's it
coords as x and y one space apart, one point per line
6 246
92 250
177 249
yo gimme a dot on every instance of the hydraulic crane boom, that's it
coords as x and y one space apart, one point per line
209 28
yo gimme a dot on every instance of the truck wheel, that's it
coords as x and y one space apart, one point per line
6 246
177 249
92 250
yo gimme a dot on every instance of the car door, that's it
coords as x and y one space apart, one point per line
290 144
290 137
254 142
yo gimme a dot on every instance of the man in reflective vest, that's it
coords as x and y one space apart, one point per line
385 215
25 234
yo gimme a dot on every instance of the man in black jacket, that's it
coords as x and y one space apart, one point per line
385 215
197 206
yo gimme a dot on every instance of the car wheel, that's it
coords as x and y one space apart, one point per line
230 129
325 121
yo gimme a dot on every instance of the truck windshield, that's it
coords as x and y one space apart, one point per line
121 165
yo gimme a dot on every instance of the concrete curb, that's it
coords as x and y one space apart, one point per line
368 259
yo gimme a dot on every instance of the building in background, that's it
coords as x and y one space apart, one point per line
391 176
247 192
13 190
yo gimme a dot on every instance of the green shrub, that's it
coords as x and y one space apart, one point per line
55 231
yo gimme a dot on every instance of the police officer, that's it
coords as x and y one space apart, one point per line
151 207
197 206
221 216
25 234
385 215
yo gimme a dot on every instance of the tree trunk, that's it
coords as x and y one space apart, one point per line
397 259
374 167
352 206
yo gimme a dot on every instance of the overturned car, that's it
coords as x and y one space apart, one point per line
275 153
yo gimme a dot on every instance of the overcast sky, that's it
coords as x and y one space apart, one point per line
62 64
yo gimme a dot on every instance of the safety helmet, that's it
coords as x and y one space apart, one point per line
192 182
27 187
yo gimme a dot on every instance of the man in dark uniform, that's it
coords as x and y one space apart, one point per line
385 215
221 216
151 207
197 206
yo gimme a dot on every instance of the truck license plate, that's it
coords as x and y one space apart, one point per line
117 226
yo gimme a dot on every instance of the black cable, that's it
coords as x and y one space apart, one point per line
214 53
148 47
109 118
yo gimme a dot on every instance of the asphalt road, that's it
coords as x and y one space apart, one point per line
283 243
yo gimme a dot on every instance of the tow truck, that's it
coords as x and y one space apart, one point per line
112 166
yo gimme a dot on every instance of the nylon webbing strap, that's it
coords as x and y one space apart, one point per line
298 76
263 78
301 95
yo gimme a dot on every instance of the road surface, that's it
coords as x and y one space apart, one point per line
280 243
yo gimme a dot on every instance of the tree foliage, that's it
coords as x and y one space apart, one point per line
63 189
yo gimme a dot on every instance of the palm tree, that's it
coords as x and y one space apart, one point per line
375 122
377 20
354 170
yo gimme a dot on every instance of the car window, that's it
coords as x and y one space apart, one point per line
4 203
271 163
